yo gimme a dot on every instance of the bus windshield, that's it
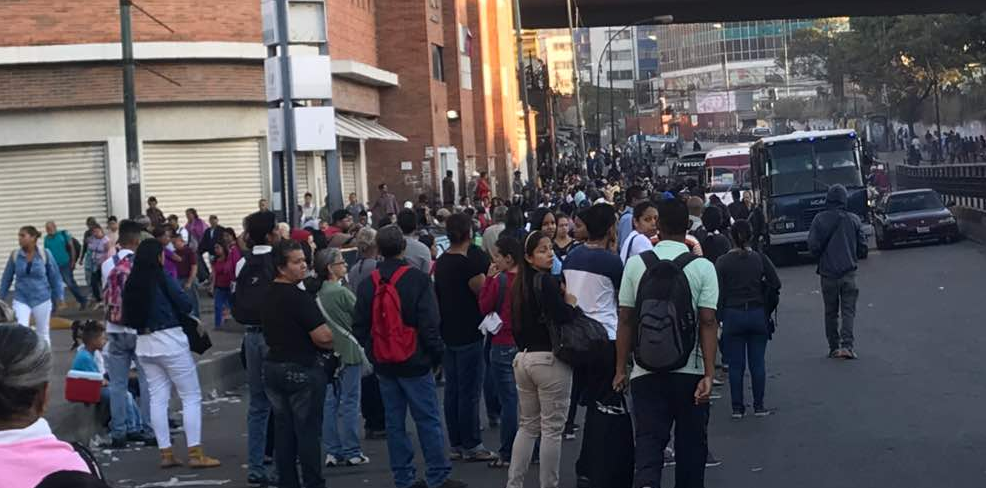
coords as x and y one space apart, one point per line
807 167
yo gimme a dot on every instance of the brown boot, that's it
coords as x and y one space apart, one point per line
198 459
168 459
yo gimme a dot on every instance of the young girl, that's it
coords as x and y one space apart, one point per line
99 249
90 358
222 279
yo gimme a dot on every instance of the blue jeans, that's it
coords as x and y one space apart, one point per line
490 396
258 412
133 419
502 372
744 340
421 396
297 395
69 279
121 351
463 367
222 299
342 409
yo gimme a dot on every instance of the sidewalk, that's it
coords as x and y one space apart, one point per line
219 369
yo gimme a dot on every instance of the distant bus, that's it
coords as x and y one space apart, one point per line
727 168
790 177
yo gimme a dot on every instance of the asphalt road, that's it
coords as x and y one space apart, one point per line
909 413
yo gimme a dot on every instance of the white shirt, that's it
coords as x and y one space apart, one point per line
257 250
634 245
108 266
162 343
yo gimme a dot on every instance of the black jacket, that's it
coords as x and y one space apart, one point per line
419 309
836 236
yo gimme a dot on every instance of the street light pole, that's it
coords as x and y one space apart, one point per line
578 91
522 78
725 71
130 112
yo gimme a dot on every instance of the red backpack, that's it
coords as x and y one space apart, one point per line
393 341
113 292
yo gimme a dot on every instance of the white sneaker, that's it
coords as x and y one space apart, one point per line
357 460
331 461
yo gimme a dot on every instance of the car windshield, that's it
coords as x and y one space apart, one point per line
723 179
912 202
812 166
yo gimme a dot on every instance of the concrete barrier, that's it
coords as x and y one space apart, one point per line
972 223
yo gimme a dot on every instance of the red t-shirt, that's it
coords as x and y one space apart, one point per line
487 301
187 256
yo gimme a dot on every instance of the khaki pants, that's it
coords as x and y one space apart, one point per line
544 385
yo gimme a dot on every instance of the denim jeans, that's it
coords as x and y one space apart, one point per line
133 419
420 396
222 299
255 348
661 401
371 404
297 396
490 396
121 351
463 367
193 294
69 279
502 372
340 429
839 296
744 340
95 283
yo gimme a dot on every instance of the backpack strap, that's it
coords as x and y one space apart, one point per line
650 258
684 259
87 457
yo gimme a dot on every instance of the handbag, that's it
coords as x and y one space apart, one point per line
771 300
366 365
575 343
198 338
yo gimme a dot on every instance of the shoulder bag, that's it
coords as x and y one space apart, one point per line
575 343
198 338
367 366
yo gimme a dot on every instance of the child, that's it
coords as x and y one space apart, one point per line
90 358
222 280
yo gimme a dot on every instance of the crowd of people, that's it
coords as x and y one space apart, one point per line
952 147
359 312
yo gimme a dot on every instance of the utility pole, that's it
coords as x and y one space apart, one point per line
612 109
289 196
522 78
576 79
130 112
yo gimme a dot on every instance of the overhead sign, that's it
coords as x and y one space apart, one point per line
315 129
306 22
311 78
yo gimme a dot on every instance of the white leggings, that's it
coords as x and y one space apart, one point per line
42 317
179 370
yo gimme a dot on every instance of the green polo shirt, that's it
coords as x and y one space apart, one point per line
58 245
702 280
340 303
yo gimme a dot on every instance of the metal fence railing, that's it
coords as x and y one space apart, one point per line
965 184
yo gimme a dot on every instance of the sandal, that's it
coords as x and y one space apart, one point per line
498 464
480 456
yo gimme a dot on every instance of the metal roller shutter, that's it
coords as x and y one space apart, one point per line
220 178
301 166
348 162
66 184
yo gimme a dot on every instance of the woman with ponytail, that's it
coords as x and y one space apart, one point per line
542 380
745 276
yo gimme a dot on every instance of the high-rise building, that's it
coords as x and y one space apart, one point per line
555 46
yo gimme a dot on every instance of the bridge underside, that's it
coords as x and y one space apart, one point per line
593 13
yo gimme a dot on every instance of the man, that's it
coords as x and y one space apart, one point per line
416 253
438 231
837 238
177 230
593 275
211 237
517 186
188 268
354 208
338 232
459 277
59 242
386 204
309 213
472 184
482 187
448 189
154 213
492 233
121 350
679 398
635 196
695 207
738 209
254 273
263 206
409 384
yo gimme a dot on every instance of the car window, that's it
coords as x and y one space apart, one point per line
912 202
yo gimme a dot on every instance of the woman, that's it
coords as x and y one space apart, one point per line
38 282
495 298
295 373
28 450
644 228
366 244
195 226
340 427
715 244
543 220
152 304
563 242
513 226
544 383
223 275
743 276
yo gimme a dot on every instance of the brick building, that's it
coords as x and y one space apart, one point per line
419 87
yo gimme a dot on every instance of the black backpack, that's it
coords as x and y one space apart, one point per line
667 325
252 288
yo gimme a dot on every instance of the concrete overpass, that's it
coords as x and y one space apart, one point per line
592 13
